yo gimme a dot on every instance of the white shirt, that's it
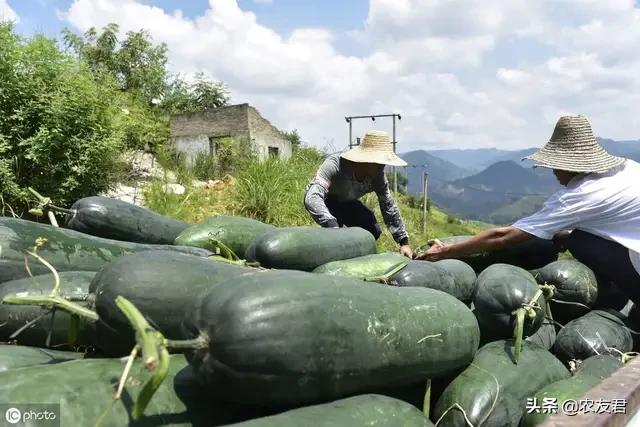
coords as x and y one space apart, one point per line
606 205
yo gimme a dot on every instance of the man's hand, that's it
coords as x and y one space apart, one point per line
406 251
435 253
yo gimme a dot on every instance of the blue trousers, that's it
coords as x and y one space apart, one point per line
354 214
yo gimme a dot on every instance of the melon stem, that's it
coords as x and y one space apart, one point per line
219 258
223 250
384 278
155 356
517 333
52 301
45 203
195 343
426 404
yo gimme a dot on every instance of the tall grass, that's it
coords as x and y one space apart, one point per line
273 191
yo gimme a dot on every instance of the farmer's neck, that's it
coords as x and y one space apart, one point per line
361 171
564 177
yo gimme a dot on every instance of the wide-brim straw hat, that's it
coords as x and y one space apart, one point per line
574 148
376 147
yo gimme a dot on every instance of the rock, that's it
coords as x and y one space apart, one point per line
228 179
212 184
160 173
174 189
127 194
145 166
198 184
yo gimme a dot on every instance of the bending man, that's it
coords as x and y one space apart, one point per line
332 198
600 203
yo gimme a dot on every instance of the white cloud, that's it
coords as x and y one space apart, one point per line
440 63
6 13
263 1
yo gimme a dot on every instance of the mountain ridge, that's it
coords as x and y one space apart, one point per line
491 184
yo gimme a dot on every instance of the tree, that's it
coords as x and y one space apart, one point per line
138 65
402 182
189 97
293 137
136 62
59 128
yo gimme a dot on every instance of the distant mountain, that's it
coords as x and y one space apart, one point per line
501 184
628 149
509 177
491 184
481 158
474 160
507 214
440 171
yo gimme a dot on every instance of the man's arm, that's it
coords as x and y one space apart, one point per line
314 199
557 214
314 202
390 212
487 240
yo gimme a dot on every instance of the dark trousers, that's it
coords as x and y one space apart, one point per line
611 264
354 214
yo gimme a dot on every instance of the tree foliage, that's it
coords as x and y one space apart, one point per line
293 137
59 130
402 181
68 115
199 95
140 68
136 62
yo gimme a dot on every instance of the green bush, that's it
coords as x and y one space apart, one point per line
171 160
231 156
453 220
59 128
205 167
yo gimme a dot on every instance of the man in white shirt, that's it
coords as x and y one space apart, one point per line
600 203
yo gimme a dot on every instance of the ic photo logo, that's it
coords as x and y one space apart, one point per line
36 415
13 415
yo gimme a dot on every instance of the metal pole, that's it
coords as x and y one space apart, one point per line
424 202
350 134
395 172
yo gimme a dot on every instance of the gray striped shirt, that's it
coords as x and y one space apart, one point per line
334 179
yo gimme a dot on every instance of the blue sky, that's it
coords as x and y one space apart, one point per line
39 16
463 73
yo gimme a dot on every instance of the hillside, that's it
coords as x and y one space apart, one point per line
507 214
474 160
628 149
500 185
509 177
273 191
440 171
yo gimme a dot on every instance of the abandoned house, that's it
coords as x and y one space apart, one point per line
200 132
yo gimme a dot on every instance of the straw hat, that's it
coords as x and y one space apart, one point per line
574 148
376 147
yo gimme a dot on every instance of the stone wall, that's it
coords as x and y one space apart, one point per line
196 133
224 121
191 146
264 135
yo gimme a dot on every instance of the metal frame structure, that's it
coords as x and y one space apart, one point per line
349 120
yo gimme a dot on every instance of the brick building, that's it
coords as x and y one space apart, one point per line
198 132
